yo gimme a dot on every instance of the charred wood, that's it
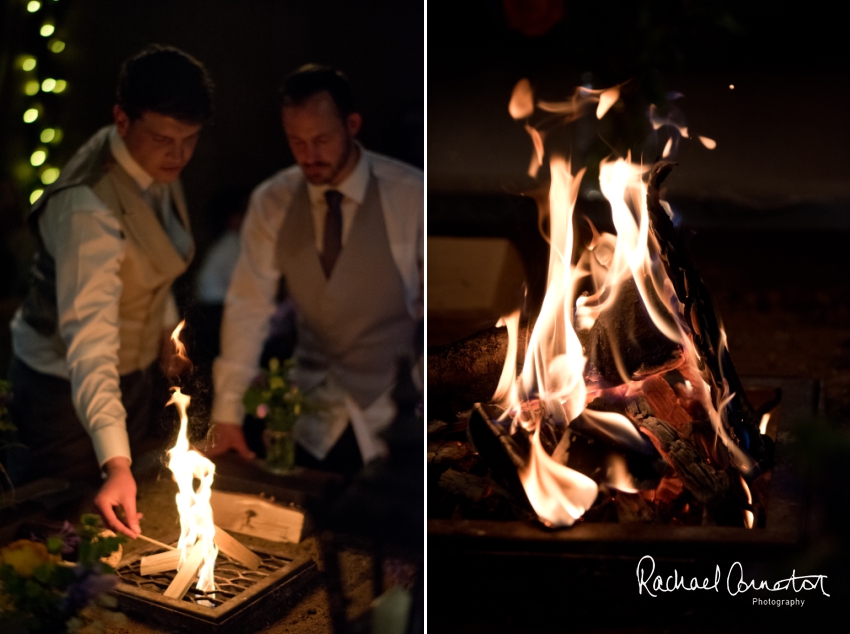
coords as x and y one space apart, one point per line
705 483
701 318
624 344
633 509
467 371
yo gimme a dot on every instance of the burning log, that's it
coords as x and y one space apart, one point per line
698 312
633 509
468 371
706 484
186 575
170 559
624 340
235 550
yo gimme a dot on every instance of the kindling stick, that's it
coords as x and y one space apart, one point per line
186 575
231 547
161 562
156 543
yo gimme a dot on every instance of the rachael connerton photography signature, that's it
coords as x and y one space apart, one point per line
735 581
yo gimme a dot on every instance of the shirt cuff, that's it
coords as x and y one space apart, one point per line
111 442
228 409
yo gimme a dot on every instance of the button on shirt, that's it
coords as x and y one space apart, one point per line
85 236
250 300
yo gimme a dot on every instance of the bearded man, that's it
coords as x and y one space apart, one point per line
344 228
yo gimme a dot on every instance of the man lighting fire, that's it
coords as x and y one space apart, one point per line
113 235
344 227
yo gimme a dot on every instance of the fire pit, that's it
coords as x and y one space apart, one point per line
243 599
569 576
625 433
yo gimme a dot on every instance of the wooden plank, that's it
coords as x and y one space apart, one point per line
186 575
231 547
161 562
252 515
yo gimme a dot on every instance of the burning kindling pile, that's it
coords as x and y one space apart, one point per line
200 540
627 403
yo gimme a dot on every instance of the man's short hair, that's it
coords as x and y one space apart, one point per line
311 79
167 81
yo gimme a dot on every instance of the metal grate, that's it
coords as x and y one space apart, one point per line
231 579
243 599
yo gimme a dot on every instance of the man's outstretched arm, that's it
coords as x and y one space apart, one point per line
248 307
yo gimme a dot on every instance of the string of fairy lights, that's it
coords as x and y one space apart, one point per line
38 68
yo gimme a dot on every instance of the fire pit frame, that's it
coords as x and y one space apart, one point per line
254 607
785 522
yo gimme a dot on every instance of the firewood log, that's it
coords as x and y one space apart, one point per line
625 330
701 318
467 371
707 485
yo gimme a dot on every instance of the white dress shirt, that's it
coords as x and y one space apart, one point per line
250 299
84 237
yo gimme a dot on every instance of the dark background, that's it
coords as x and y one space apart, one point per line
767 212
247 46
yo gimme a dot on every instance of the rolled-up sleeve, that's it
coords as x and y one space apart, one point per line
85 240
249 305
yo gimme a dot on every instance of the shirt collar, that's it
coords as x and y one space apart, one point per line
125 160
353 187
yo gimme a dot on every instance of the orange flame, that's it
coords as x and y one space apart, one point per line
554 368
179 348
196 517
522 100
749 518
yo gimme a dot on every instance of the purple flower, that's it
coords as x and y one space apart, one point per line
88 585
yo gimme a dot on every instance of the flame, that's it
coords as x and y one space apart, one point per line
618 476
197 529
553 374
179 348
765 419
607 99
558 494
709 143
537 157
749 518
522 100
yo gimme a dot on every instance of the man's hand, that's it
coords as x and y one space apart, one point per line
226 436
119 490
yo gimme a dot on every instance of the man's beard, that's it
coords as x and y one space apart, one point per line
326 177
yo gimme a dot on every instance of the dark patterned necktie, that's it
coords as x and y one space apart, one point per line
332 241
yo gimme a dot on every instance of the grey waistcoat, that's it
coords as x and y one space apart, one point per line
150 263
355 324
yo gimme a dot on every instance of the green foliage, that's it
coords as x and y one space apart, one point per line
275 398
39 592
